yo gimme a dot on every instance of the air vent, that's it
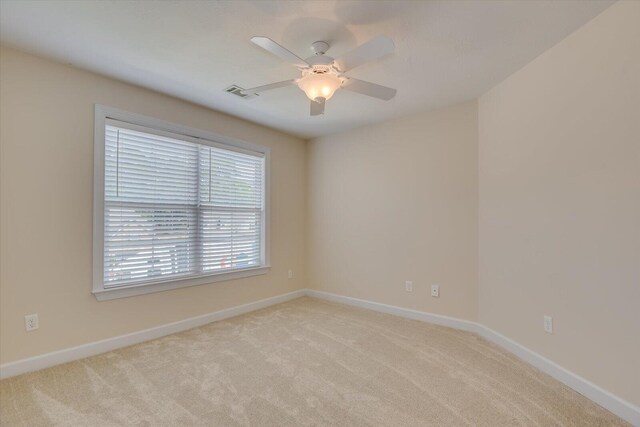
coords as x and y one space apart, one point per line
237 90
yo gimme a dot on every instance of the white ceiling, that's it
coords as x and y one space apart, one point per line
446 51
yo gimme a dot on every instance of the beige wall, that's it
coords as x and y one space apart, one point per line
46 135
393 202
560 203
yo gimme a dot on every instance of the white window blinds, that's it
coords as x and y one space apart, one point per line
175 209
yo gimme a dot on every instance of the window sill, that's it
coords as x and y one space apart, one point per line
159 286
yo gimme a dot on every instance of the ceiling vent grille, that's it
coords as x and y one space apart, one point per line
237 90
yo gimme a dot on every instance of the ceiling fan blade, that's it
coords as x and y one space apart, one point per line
369 89
269 45
255 90
317 108
373 49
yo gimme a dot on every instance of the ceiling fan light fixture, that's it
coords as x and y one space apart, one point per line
323 75
319 85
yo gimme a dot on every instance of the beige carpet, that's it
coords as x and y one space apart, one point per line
305 362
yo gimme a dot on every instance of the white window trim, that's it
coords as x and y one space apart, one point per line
102 113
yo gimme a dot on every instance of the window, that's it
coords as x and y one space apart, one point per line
173 206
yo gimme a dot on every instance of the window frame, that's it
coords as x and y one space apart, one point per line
104 113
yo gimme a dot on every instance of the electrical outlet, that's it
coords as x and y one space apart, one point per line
548 324
408 286
290 274
31 322
435 291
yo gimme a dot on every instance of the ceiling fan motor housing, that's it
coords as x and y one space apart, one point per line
319 60
320 69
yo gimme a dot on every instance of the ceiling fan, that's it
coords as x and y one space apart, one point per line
322 75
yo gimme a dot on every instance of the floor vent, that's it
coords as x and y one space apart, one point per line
237 90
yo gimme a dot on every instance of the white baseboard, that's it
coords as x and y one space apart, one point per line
91 349
625 410
618 406
423 316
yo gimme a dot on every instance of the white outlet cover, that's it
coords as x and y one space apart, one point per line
31 322
435 291
548 324
290 274
408 286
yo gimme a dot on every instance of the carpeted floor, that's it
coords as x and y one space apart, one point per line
305 362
